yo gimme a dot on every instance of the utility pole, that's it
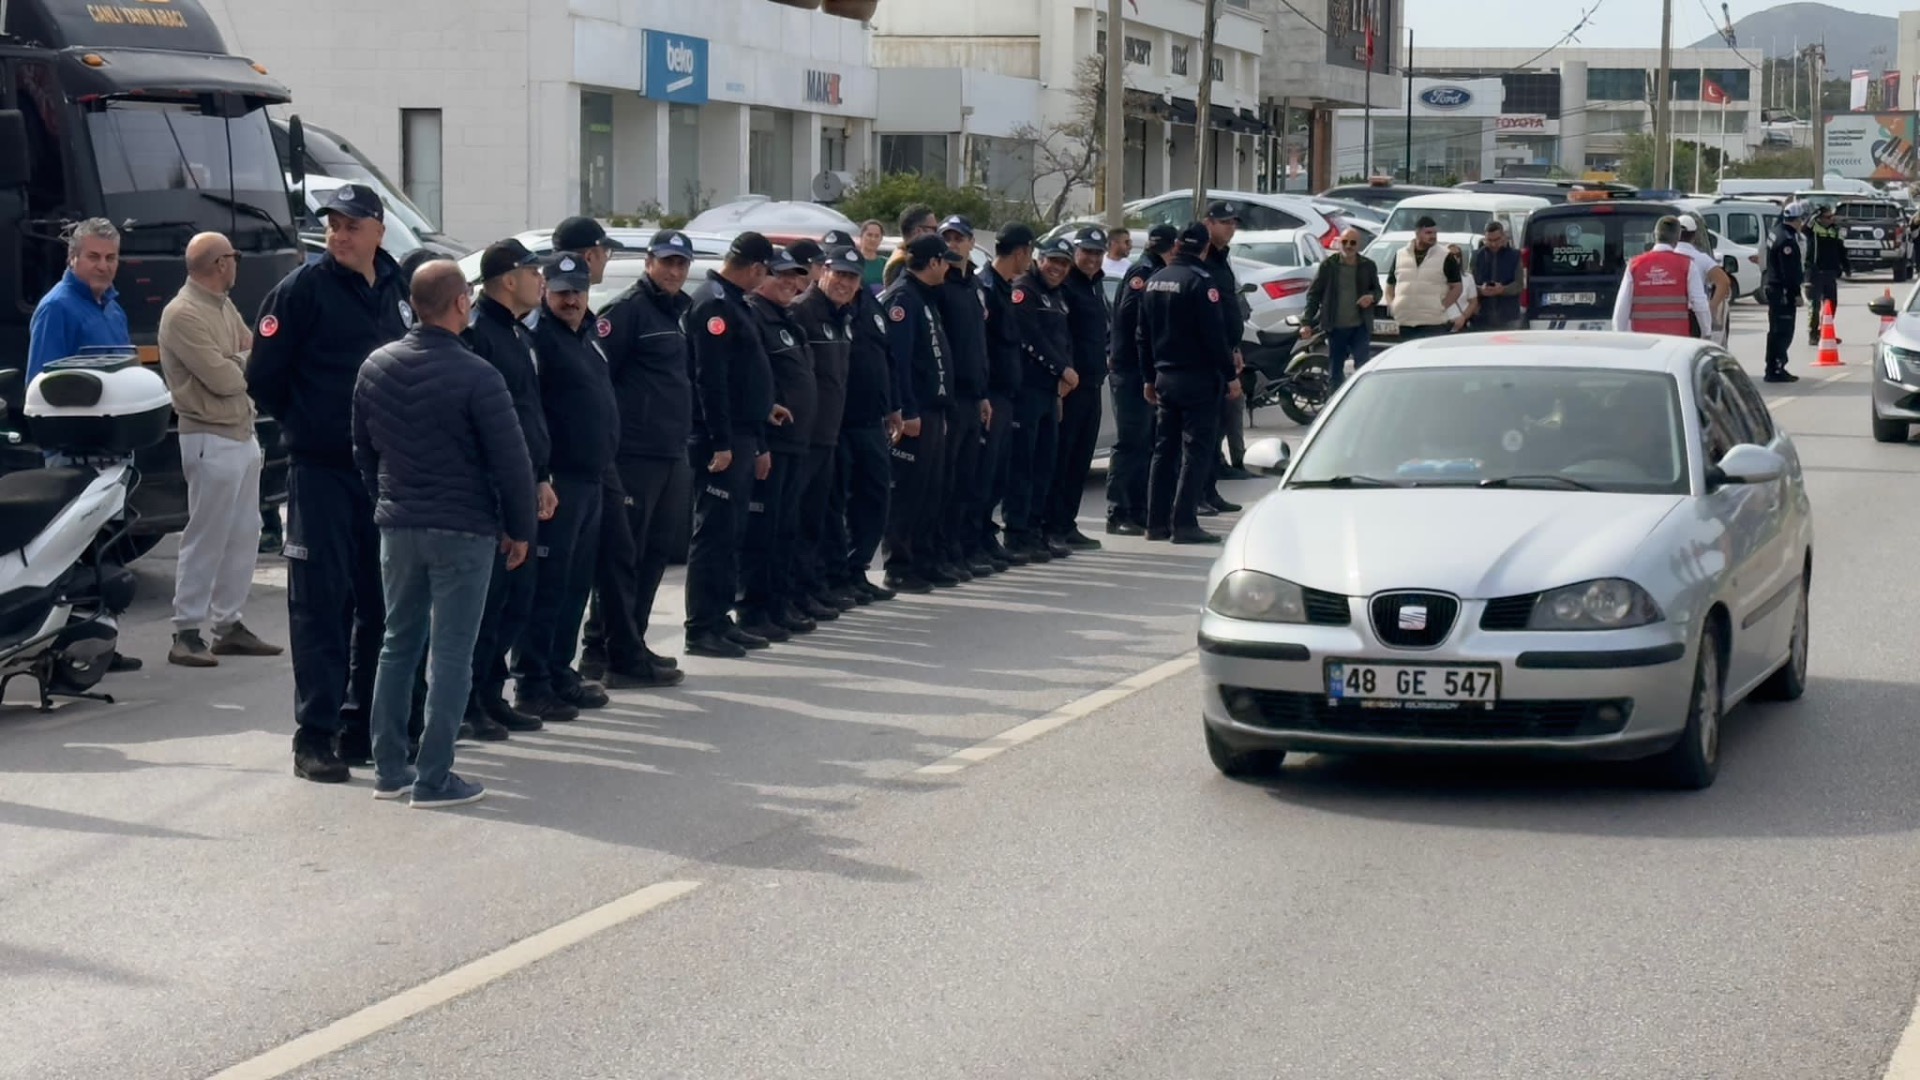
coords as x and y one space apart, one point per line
1818 75
1663 103
1114 160
1406 69
1203 107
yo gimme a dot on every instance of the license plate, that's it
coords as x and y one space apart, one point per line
1386 327
1570 299
1570 324
1866 244
1351 680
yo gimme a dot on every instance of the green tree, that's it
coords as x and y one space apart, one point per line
881 196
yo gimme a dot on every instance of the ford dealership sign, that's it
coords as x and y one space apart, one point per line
1446 97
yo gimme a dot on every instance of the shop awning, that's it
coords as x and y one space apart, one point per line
1246 123
1220 118
1140 103
1182 111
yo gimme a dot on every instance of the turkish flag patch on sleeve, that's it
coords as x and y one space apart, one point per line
897 313
716 326
269 326
1213 295
604 328
1019 296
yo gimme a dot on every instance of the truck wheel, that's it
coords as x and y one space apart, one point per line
1902 271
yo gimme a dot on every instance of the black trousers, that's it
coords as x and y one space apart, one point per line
719 516
336 611
1186 434
1132 451
995 452
919 482
814 530
966 488
1030 459
1825 288
568 551
859 502
767 549
647 518
509 606
1780 324
1080 413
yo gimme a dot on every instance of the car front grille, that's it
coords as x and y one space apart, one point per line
1508 612
1327 609
1281 710
1413 620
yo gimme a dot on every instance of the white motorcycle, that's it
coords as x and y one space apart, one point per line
58 597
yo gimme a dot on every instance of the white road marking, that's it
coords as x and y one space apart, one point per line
1783 402
464 979
1905 1062
1060 717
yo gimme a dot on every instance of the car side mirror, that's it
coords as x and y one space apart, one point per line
1882 307
297 151
1746 464
15 163
1268 457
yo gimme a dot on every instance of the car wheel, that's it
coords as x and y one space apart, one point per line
1692 762
1241 764
1790 681
1889 431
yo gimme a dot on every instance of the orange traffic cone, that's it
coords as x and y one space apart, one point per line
1829 343
1886 320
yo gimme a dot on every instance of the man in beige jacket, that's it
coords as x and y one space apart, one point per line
203 353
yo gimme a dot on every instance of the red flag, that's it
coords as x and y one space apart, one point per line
1135 5
1712 93
1369 37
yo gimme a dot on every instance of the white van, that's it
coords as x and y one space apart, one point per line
1748 222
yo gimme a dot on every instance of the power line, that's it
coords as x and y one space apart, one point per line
1288 4
1725 34
1564 38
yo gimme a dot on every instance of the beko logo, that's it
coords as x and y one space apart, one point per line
682 62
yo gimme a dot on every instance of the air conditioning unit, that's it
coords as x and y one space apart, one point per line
831 187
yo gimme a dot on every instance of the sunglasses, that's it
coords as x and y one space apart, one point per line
1349 243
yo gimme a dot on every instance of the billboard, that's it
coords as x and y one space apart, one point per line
1872 146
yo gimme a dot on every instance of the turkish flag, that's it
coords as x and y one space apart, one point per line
1712 93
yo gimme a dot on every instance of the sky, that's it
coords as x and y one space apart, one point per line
1621 23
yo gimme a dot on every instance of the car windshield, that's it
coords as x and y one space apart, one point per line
1512 427
1273 253
168 162
1447 219
1579 245
1382 252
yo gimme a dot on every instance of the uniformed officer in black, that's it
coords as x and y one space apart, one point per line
1046 340
1090 319
768 604
1785 277
584 426
647 359
862 494
1183 341
733 403
1006 361
511 288
923 401
1826 247
1132 415
825 314
1223 221
963 314
315 329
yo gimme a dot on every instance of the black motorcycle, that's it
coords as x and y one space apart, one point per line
1289 371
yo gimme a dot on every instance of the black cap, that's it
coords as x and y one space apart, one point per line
750 247
1194 238
957 224
1013 238
846 260
355 201
807 251
783 262
505 257
1224 210
1162 238
580 233
567 272
1091 238
670 242
1059 247
836 238
925 248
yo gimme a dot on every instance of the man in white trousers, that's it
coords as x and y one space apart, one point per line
203 353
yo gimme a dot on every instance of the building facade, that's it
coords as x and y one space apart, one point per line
1315 65
499 115
975 90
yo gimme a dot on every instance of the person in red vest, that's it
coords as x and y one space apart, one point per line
1663 291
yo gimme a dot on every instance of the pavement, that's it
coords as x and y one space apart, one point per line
976 835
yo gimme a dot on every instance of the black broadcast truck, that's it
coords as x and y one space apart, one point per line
136 112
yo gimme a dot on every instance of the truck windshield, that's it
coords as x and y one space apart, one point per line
157 160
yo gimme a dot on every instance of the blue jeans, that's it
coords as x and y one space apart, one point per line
435 581
1347 343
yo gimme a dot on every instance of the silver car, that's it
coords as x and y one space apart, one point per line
1896 369
1575 544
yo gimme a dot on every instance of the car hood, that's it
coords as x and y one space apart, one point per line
1477 544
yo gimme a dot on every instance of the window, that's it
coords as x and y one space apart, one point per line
1531 93
1219 70
1737 82
38 96
1139 51
421 169
1721 425
1742 228
1746 400
1257 218
154 146
1616 84
1178 59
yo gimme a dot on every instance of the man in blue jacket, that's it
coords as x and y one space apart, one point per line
83 310
439 447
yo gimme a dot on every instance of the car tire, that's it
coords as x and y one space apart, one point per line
1693 761
1241 764
1790 682
1902 271
1890 431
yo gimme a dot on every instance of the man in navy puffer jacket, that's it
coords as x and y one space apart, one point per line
439 446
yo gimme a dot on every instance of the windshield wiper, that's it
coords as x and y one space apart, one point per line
1349 482
250 209
1523 480
135 225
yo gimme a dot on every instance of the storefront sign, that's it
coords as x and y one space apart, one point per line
823 88
1872 146
1517 122
1446 98
676 68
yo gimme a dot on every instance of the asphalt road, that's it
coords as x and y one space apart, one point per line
865 890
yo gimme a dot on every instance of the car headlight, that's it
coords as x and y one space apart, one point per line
1894 358
1602 604
1250 594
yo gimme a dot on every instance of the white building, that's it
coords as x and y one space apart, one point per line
497 115
962 80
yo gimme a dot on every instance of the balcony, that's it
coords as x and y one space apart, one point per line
857 10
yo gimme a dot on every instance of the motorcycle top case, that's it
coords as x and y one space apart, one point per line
102 401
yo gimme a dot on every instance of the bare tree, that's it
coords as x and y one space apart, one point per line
1068 153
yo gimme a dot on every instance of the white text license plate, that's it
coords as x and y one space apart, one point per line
1349 680
1386 327
1570 299
1868 245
